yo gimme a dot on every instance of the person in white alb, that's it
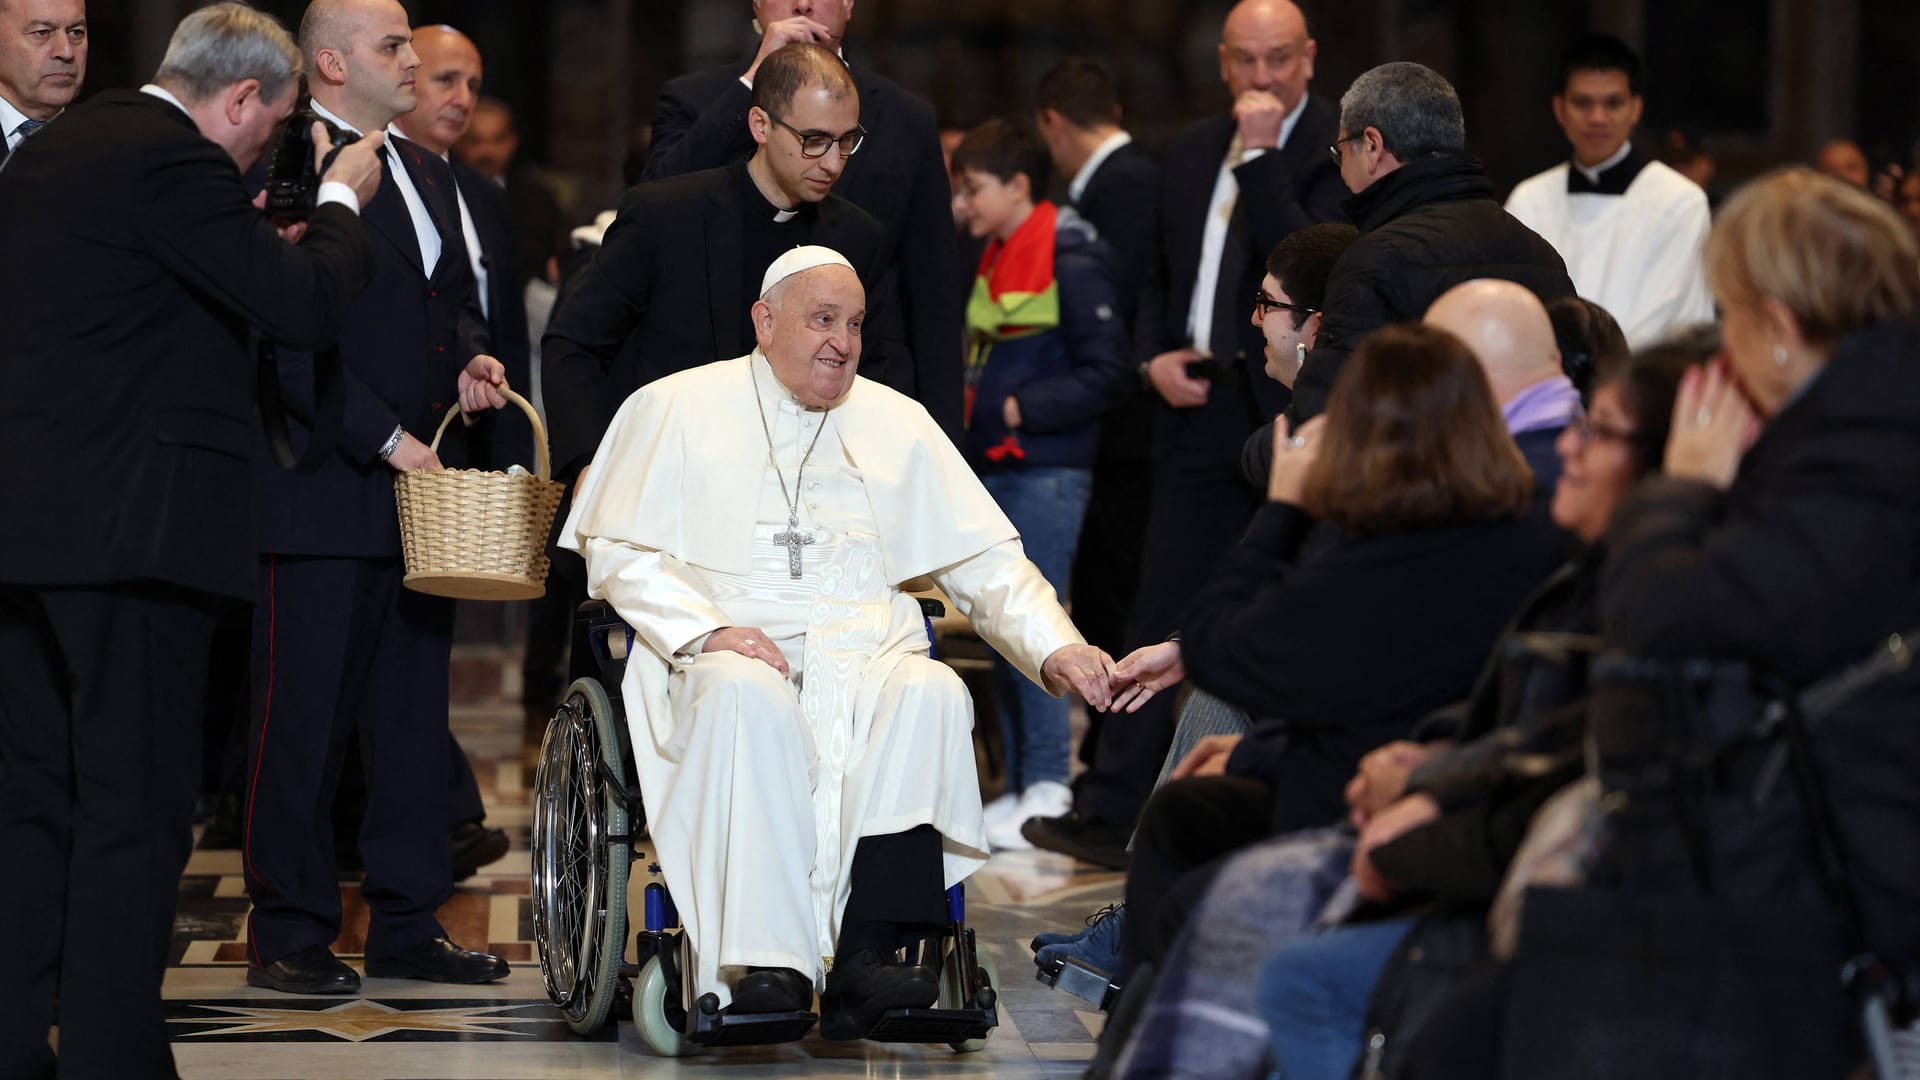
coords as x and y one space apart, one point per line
43 61
807 769
1629 227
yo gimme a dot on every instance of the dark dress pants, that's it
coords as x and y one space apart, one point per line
1197 513
1187 831
101 706
343 655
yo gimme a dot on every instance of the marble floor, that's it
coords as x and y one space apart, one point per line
507 1031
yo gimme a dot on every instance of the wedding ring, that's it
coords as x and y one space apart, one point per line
750 642
1296 441
1702 418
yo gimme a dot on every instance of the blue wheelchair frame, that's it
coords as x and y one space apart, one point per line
587 822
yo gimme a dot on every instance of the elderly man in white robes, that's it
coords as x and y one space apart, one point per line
807 769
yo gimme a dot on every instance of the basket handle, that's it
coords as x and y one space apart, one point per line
539 429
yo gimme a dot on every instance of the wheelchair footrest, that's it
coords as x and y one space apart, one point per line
933 1025
750 1029
1081 981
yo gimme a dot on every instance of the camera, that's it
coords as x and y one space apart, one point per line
293 182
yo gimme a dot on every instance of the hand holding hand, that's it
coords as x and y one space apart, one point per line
1168 374
778 35
1260 116
1082 669
1382 777
1713 424
1207 758
412 455
1389 824
748 641
358 166
1145 672
478 382
1293 456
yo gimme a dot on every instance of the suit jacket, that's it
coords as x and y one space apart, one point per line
1281 191
898 176
1122 201
663 294
128 414
402 348
509 435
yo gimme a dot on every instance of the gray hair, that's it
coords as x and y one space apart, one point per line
223 44
1415 110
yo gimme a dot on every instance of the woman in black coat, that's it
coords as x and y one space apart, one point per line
1396 544
1785 536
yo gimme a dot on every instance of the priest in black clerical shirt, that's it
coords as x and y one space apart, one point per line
672 285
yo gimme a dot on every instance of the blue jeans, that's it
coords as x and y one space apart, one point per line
1046 505
1314 993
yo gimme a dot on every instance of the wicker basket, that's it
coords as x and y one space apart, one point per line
475 535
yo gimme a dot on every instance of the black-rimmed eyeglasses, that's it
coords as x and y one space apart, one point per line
815 144
1267 305
1334 150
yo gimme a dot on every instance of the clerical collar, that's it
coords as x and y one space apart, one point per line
759 198
781 395
1611 177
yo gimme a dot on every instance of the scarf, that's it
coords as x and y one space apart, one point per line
1014 294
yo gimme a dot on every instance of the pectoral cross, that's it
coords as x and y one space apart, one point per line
793 540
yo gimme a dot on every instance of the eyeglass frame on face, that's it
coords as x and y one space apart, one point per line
1265 305
1585 430
858 135
1333 150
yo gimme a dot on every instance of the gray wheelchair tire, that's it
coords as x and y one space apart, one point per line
650 1013
950 992
579 876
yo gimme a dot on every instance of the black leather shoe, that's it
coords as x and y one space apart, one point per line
438 960
474 846
771 990
867 983
312 970
1082 836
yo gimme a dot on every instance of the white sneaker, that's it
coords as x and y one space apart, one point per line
1001 808
1048 798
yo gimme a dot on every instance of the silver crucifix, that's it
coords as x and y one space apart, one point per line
793 540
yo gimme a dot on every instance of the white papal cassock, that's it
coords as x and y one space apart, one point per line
757 786
1631 232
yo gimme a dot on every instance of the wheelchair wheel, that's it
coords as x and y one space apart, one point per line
950 997
579 876
651 994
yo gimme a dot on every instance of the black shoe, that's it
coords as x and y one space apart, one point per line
1082 836
312 970
867 983
438 960
474 846
223 830
771 990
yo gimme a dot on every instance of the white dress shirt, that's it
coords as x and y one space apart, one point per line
424 230
1101 153
474 254
10 121
1213 243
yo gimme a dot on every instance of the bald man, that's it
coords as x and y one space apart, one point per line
1234 186
343 654
1511 335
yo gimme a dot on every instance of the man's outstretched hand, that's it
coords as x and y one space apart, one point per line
1083 669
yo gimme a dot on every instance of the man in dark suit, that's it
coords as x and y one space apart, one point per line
490 145
1233 187
129 410
341 650
671 286
1115 185
43 61
446 89
899 178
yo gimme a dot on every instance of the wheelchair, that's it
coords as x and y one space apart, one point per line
588 825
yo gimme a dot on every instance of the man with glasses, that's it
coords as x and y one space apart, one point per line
899 177
671 286
1233 187
1427 220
